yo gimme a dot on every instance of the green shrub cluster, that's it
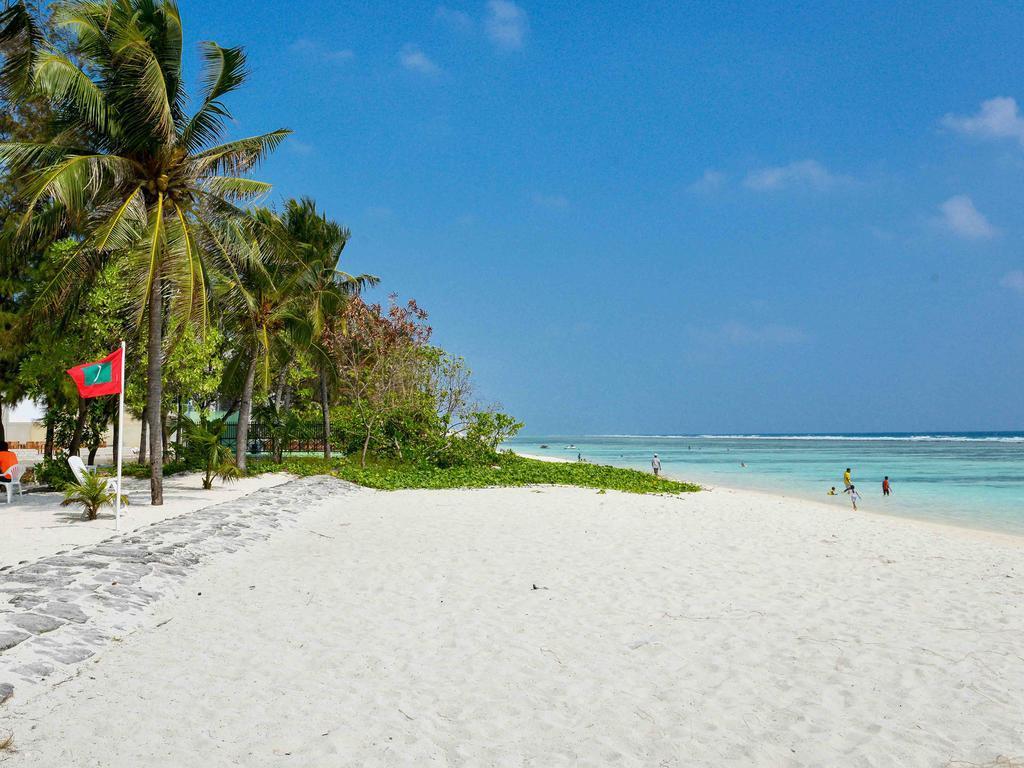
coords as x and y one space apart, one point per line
507 470
55 472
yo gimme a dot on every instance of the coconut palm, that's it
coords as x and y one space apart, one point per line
264 300
132 173
322 242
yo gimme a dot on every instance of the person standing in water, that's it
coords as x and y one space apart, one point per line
656 465
886 490
854 496
847 481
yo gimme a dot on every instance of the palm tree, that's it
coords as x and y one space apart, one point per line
264 300
204 445
322 242
132 173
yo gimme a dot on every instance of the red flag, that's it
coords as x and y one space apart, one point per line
100 378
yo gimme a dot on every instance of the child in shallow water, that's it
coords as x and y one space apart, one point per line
854 496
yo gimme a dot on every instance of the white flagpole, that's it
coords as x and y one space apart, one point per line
120 445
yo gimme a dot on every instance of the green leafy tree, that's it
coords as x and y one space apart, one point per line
49 349
149 182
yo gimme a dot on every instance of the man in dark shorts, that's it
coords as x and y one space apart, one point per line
886 490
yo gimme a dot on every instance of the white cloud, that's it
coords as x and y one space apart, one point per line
998 118
738 334
415 60
297 147
506 24
802 173
711 181
554 202
457 21
961 218
309 47
1014 280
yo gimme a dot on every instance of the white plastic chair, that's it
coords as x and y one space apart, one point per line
14 472
80 471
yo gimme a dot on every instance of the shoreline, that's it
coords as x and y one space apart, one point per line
985 534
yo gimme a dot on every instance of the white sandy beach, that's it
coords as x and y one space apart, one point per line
720 628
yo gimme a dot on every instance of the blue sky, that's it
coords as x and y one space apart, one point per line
672 217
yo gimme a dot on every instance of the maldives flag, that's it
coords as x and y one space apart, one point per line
100 378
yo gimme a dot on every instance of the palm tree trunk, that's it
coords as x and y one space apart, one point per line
154 395
325 409
76 438
143 442
244 412
48 445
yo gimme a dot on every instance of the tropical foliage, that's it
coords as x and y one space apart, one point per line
204 448
127 212
139 180
92 494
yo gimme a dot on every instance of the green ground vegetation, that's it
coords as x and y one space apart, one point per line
505 470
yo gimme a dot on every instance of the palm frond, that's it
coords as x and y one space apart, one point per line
352 285
21 40
224 70
236 188
236 158
140 86
122 226
56 77
74 180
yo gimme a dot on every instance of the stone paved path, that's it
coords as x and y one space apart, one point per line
59 610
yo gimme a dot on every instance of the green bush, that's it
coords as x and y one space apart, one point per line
55 472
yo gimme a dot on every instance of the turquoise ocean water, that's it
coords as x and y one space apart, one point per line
973 479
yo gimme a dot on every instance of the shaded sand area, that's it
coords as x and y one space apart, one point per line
557 627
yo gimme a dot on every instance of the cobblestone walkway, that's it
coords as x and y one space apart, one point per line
59 610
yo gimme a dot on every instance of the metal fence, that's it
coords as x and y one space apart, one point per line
305 438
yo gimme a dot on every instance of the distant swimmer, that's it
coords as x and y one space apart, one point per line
656 465
743 464
886 490
846 479
854 496
832 491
